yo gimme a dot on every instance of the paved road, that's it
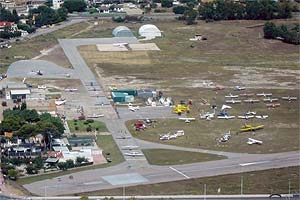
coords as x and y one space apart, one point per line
136 170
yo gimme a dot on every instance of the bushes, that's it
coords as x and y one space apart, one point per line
118 19
179 9
289 33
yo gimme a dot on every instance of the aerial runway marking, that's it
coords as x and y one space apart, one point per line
253 163
179 172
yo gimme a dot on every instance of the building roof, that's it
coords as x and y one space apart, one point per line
149 30
14 85
6 24
19 92
122 31
52 160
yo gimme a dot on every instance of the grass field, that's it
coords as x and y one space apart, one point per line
82 125
30 48
175 157
235 53
273 181
105 142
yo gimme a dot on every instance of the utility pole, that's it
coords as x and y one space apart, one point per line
123 192
242 182
204 191
289 188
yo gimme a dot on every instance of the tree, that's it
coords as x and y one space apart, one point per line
62 165
70 163
190 16
284 10
62 13
166 3
84 198
13 174
80 160
179 9
270 30
28 130
31 169
15 15
6 15
74 5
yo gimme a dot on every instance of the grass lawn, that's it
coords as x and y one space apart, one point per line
175 157
106 142
273 181
83 124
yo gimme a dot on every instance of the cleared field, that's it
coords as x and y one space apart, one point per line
175 157
31 48
273 181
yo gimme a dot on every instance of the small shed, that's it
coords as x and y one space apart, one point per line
127 91
122 31
122 97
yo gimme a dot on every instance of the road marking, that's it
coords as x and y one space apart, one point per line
93 183
253 163
179 172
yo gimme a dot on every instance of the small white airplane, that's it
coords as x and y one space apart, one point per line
43 87
225 137
251 101
271 100
71 89
130 147
225 107
124 137
250 113
95 115
121 44
238 88
164 137
133 108
187 119
231 96
253 141
289 98
246 116
226 117
207 116
133 154
246 94
232 101
261 116
264 94
60 102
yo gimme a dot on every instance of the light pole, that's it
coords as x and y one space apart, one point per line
204 191
242 182
289 188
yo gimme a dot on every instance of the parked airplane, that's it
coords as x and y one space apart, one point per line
133 154
270 100
264 94
71 89
43 87
121 44
225 137
60 102
246 128
250 113
246 116
289 98
124 137
130 147
261 116
187 118
225 107
272 105
95 115
232 101
253 141
251 101
231 96
238 88
133 108
207 116
224 115
246 94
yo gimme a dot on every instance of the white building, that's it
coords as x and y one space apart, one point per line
57 4
149 31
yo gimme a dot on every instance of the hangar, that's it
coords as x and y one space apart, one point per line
149 31
122 31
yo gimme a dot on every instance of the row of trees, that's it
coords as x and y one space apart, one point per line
7 16
45 15
252 10
288 33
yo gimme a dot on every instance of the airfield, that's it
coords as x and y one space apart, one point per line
182 72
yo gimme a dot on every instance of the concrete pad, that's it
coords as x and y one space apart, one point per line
122 179
144 47
111 47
